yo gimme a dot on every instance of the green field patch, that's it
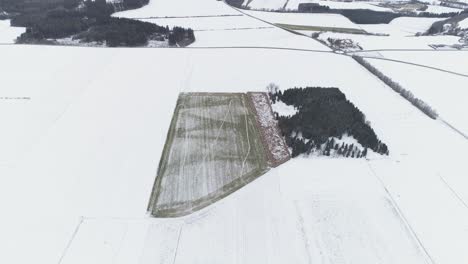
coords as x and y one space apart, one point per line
213 148
319 28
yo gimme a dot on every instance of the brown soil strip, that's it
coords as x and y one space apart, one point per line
275 145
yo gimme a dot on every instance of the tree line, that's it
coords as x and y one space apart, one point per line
408 95
358 16
92 22
27 6
367 16
323 115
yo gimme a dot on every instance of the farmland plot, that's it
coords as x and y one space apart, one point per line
212 149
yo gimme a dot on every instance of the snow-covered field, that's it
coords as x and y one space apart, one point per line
402 26
432 6
8 34
263 37
437 9
93 146
287 216
227 29
393 42
83 130
179 8
463 24
448 60
305 19
293 4
445 92
210 23
401 34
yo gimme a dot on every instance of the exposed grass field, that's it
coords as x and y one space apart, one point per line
213 148
318 28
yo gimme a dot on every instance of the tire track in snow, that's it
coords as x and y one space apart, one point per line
177 245
417 64
72 238
248 141
303 232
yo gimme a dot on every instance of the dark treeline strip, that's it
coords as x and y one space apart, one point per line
92 22
324 114
235 3
358 16
420 104
29 6
117 32
366 16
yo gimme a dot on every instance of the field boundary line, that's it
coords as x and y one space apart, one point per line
305 239
274 25
454 128
406 50
416 64
177 245
72 238
453 192
428 258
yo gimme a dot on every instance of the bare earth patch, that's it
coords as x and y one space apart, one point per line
277 150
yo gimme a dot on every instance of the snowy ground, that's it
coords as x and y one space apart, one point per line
8 34
445 92
281 217
84 133
463 24
432 6
393 42
283 109
321 20
437 9
77 159
293 4
210 23
226 28
262 37
402 26
179 8
447 60
401 34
